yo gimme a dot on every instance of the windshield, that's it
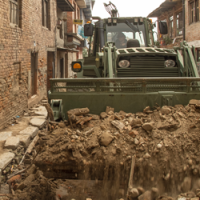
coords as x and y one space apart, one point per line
122 32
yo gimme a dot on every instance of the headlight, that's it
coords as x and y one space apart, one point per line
124 63
170 63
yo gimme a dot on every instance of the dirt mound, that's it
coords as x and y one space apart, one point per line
165 142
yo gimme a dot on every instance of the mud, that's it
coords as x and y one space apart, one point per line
165 142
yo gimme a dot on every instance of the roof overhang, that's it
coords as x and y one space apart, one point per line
88 10
67 49
75 35
65 5
166 6
81 3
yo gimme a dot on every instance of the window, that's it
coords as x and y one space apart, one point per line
46 13
193 11
179 24
171 25
198 55
61 30
14 12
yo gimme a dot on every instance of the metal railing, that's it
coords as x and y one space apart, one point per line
125 85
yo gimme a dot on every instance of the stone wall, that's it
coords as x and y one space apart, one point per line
16 45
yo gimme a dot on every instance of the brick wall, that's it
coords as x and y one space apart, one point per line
16 45
192 30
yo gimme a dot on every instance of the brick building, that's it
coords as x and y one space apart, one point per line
28 47
172 11
69 42
83 11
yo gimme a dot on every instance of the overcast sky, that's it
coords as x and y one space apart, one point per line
127 8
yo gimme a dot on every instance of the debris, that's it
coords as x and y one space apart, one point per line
194 102
50 112
24 139
147 126
159 146
78 111
135 123
5 159
131 191
29 149
89 132
186 185
102 148
165 110
38 122
12 143
106 138
16 173
14 179
118 124
103 115
5 135
108 109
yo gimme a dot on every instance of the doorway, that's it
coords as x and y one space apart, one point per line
34 60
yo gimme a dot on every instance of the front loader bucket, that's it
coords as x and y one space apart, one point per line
130 94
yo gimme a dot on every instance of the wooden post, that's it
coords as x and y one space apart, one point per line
130 183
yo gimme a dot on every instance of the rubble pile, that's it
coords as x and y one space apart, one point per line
164 142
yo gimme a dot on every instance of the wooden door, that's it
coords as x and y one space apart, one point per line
62 68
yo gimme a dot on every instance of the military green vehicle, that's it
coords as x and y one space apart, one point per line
125 70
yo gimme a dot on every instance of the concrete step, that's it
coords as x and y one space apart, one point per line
30 130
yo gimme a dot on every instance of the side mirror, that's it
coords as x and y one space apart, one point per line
163 28
88 29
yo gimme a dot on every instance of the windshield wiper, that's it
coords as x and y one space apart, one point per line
132 27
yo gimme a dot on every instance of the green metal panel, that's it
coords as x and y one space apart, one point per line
193 63
130 94
130 103
181 61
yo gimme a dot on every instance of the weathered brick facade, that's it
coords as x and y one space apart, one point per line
17 44
192 29
73 39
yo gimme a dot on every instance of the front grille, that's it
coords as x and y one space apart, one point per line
89 72
147 67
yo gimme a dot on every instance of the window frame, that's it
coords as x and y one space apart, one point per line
14 13
171 26
194 15
46 13
179 25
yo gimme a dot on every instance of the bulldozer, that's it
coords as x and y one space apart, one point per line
125 69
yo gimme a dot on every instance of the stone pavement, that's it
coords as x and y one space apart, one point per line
9 141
